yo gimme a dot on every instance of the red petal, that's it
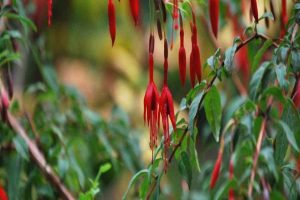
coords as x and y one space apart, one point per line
182 64
216 171
112 21
214 15
254 9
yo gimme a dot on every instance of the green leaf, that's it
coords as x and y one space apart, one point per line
194 153
295 60
213 111
289 184
290 135
222 192
22 19
258 56
185 168
280 70
229 55
144 172
274 92
193 111
21 147
256 81
14 172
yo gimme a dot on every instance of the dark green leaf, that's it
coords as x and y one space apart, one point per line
213 110
193 111
260 54
144 172
290 135
256 81
280 70
185 168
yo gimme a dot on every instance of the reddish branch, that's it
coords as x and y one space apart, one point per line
39 159
256 155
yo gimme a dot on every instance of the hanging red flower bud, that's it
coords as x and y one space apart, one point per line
112 20
135 9
284 18
164 10
159 29
3 195
216 171
182 54
296 97
195 61
231 192
214 15
166 107
49 12
254 10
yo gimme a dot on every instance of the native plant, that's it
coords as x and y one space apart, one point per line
234 135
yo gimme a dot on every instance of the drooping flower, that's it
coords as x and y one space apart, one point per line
135 9
214 15
49 12
254 10
182 54
111 20
195 61
151 100
166 107
284 18
216 170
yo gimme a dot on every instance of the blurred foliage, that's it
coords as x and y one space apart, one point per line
66 74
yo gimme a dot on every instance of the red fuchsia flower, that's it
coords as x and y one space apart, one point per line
296 97
254 10
195 61
284 18
231 192
182 54
49 12
3 195
216 170
166 107
134 9
151 100
112 20
214 15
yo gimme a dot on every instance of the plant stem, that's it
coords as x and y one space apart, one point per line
256 155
